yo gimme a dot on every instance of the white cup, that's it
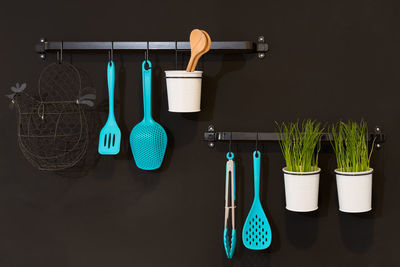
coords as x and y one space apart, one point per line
183 90
354 191
301 190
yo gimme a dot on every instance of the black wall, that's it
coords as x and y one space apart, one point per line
328 60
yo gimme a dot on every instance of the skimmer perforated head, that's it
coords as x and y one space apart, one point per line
256 233
148 139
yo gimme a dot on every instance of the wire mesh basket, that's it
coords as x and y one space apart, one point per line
52 126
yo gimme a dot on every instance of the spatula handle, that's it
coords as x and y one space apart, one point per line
146 76
111 83
256 164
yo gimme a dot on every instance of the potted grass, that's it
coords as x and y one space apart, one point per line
353 173
300 145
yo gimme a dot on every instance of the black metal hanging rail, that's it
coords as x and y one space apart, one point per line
211 136
45 46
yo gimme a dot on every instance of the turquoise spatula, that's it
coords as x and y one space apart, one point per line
148 138
256 233
110 135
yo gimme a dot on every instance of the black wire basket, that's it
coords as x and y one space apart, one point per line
52 127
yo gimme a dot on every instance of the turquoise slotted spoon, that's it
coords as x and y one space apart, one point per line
110 135
256 233
148 138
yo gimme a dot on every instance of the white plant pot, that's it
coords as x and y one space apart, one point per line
301 190
354 191
184 90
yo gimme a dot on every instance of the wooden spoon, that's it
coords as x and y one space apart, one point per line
198 42
206 49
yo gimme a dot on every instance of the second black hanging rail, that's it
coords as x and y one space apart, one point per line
211 136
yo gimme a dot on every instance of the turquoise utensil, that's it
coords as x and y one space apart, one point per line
148 138
110 135
256 233
230 243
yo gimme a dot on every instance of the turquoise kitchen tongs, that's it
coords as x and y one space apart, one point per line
230 243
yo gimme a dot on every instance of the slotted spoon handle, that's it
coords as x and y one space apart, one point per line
256 164
111 82
146 76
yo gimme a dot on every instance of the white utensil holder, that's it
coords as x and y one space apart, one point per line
354 191
301 190
183 90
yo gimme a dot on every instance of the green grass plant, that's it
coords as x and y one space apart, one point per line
350 143
300 144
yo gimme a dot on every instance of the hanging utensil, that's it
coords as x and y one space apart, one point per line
198 43
206 49
110 135
230 184
256 232
148 138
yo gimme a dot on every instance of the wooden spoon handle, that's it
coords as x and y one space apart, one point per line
194 63
190 64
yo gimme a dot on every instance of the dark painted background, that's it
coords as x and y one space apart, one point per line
328 60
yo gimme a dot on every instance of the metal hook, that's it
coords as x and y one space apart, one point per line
230 143
146 57
257 141
176 55
146 53
40 110
60 53
111 52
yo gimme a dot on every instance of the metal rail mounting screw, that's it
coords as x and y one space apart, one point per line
43 55
211 129
378 132
261 39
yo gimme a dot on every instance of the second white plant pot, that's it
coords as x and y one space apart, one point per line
183 90
301 190
354 191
